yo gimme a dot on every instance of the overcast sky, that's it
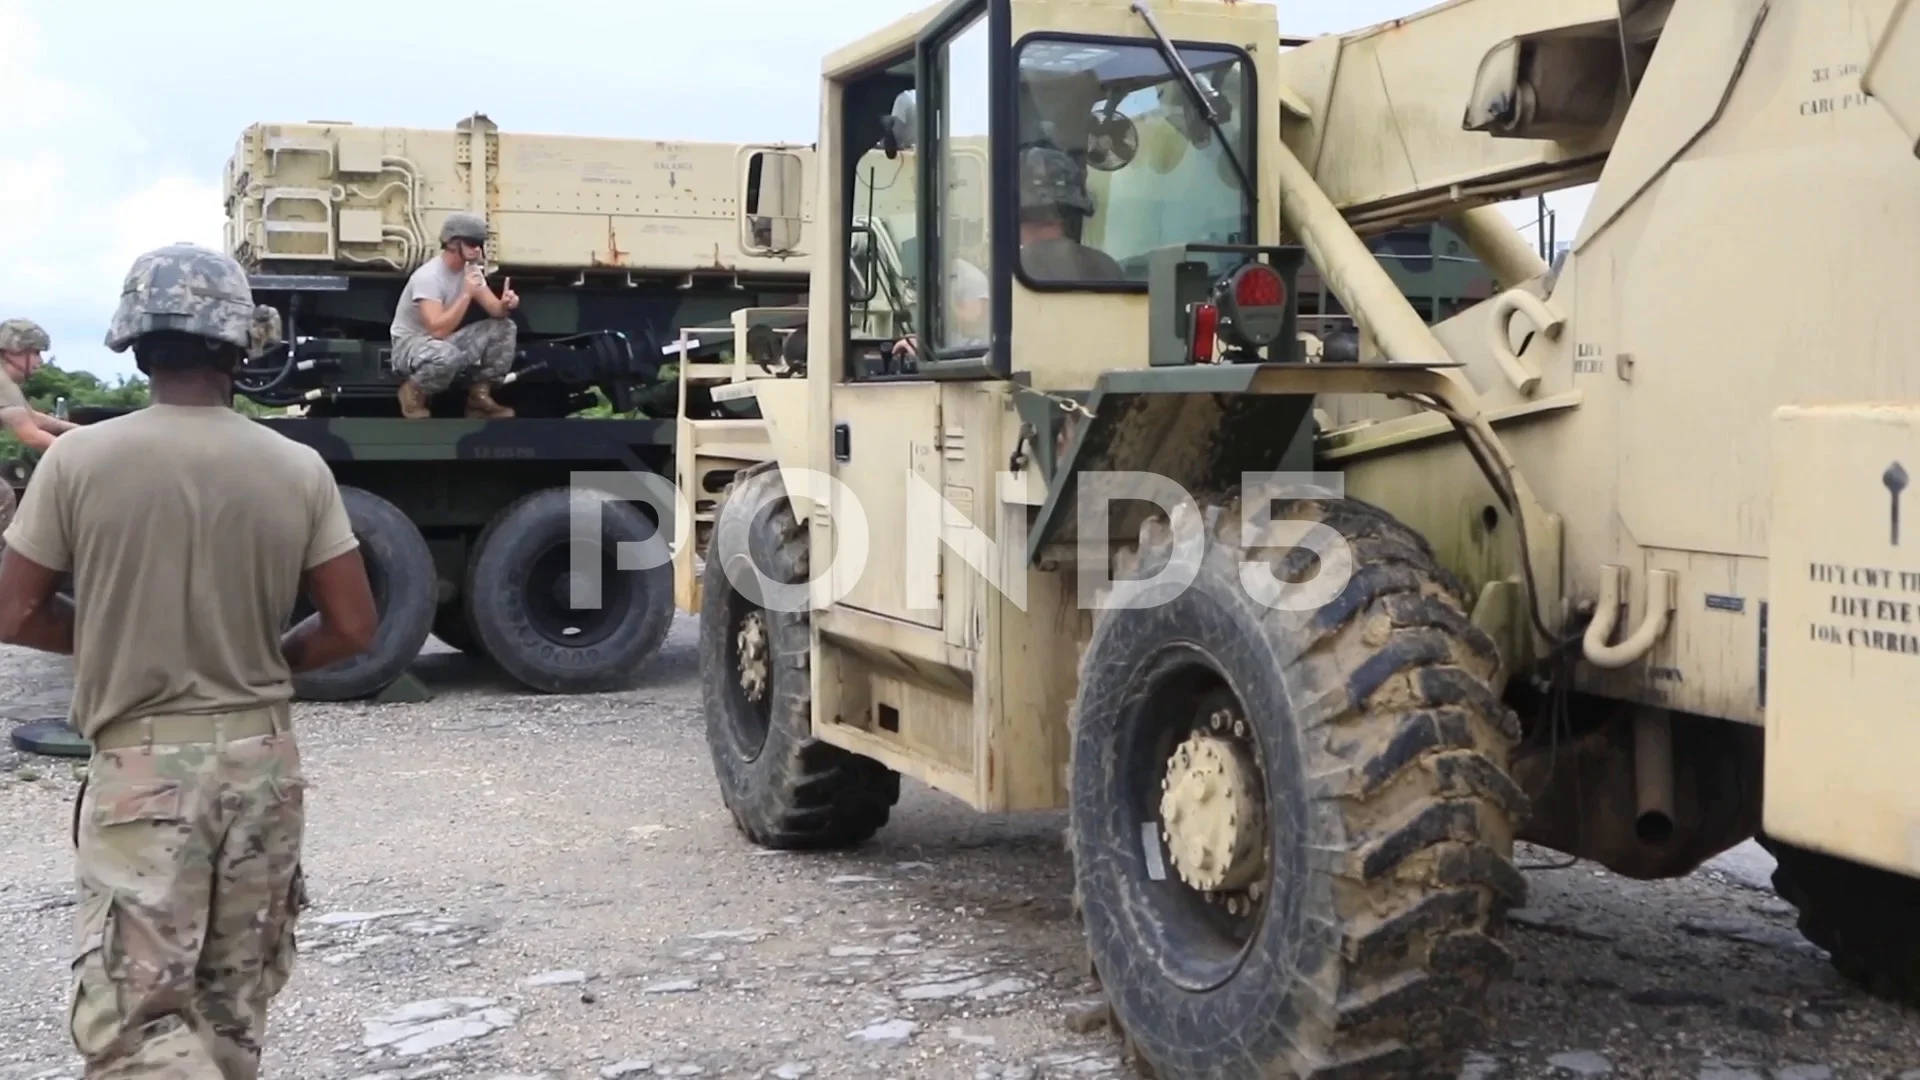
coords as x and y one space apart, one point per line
116 126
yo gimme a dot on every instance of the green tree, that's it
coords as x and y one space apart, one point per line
47 387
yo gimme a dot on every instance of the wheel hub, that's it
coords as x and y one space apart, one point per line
1210 805
752 641
562 592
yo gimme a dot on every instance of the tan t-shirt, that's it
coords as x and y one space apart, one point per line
431 281
1060 259
186 531
11 396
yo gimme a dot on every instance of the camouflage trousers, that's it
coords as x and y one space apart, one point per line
188 867
482 351
9 502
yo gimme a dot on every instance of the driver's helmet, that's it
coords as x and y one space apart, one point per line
1052 180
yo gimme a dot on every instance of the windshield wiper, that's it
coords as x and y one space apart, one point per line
1199 94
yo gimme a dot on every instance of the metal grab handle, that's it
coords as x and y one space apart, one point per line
1662 598
1523 374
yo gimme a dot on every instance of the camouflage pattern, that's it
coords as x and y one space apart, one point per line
264 332
187 288
461 225
483 351
1051 180
189 878
9 502
23 335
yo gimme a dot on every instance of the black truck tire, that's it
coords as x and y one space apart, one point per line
1867 919
784 788
1354 929
405 591
517 597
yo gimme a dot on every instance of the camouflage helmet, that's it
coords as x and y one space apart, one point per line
265 331
461 225
1050 180
23 335
187 288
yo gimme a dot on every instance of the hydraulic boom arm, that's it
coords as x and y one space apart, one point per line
1394 126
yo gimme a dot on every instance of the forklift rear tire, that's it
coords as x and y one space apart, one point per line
785 788
519 599
405 591
1867 919
1292 830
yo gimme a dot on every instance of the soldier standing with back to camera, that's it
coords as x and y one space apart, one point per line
431 348
190 531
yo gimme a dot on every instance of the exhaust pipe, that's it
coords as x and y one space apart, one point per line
1653 775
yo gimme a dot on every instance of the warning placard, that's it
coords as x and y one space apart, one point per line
1867 607
1840 651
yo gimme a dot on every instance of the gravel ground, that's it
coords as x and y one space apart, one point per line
510 886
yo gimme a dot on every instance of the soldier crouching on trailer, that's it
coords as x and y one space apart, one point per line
431 348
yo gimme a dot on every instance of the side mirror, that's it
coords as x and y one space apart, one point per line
1497 104
898 127
772 206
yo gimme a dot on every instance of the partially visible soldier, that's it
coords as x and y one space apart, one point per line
431 347
190 531
968 299
21 343
1053 204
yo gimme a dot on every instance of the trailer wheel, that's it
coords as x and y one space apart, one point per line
520 603
400 571
784 788
1867 919
1292 830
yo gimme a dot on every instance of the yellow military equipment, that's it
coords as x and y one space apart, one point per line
1621 560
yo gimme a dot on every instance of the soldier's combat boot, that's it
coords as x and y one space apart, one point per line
481 406
413 401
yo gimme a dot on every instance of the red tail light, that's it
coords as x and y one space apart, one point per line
1206 326
1259 286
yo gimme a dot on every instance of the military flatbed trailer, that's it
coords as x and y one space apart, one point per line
465 524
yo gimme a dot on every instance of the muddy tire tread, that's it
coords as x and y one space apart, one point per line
1404 738
801 793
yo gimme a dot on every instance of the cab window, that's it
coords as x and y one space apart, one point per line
882 216
1115 158
960 70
